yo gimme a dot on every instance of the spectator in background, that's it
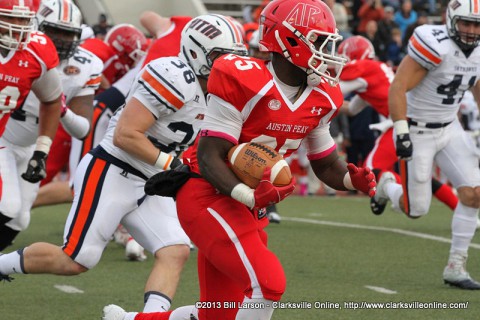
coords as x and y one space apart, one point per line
405 16
101 28
386 25
371 33
341 17
395 49
370 10
422 19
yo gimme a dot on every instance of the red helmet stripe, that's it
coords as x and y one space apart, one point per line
66 8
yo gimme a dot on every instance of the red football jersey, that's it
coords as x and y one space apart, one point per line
267 115
377 75
113 68
168 45
20 69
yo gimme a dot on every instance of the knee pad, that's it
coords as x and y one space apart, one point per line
21 222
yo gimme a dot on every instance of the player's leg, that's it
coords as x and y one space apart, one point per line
28 190
444 193
156 228
460 164
234 247
10 202
90 224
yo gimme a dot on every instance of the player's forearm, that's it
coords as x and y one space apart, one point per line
137 145
49 116
331 170
397 103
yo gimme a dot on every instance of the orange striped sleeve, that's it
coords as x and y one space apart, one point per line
424 51
160 88
94 82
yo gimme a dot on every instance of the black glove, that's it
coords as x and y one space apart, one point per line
36 167
176 163
404 146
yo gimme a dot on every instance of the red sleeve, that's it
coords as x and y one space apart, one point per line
98 48
44 49
235 86
352 71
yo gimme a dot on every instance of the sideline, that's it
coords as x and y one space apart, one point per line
392 230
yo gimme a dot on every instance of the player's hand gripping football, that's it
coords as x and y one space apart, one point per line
266 193
36 167
363 179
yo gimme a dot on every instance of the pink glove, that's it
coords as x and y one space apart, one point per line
363 179
267 194
64 106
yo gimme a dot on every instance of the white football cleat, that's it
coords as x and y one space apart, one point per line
274 217
134 251
379 201
455 273
113 312
121 235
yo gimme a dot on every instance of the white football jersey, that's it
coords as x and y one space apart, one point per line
169 89
437 97
80 76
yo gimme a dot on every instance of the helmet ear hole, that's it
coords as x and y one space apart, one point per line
292 42
193 54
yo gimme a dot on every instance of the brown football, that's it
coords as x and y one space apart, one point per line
249 160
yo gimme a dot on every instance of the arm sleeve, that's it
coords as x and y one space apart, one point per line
320 143
48 87
222 120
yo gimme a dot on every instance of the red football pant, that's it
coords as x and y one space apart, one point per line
233 259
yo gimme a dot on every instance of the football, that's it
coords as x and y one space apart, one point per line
249 160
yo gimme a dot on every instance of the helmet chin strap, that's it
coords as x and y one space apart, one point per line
314 79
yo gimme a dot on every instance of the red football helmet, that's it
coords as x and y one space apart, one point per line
129 43
356 48
16 23
304 32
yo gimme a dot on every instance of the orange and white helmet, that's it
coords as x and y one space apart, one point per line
15 35
466 10
129 43
55 17
207 34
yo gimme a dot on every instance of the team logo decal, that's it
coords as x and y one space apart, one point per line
301 14
317 111
207 29
274 104
71 70
455 4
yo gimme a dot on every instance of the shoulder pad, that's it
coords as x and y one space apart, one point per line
428 45
43 48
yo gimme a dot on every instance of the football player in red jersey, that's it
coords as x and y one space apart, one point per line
27 64
292 98
370 80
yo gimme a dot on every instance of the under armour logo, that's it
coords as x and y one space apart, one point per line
317 111
22 63
124 173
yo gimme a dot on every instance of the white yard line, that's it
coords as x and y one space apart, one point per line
381 290
67 289
385 229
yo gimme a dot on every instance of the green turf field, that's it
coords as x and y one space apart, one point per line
334 251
